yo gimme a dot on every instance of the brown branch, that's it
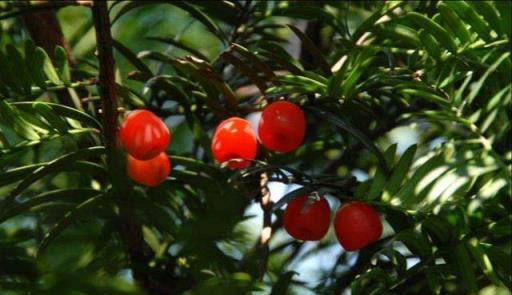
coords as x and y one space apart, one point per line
266 233
131 230
44 28
106 82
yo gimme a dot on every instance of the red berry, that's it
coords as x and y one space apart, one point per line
357 225
144 135
234 139
149 172
307 219
282 127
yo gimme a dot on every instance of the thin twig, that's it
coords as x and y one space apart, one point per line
266 233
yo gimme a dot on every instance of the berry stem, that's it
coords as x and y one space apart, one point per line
266 233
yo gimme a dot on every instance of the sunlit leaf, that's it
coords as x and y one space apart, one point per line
42 57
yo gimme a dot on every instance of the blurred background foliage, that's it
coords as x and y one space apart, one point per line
408 108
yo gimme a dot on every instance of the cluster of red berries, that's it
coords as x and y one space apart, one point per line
281 128
145 137
356 224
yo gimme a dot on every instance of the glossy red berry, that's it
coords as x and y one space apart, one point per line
282 127
150 172
144 135
357 225
234 139
307 219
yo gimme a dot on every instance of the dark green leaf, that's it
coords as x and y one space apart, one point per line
19 70
454 22
313 49
35 64
362 189
501 260
469 14
192 10
290 196
64 111
7 67
130 97
283 283
354 132
66 220
51 117
12 118
243 68
72 195
464 267
370 21
440 34
52 167
274 51
426 95
505 10
203 18
255 59
334 85
234 284
132 57
17 174
438 230
434 281
489 13
399 32
483 260
476 89
379 180
305 83
309 12
431 45
61 61
399 172
180 45
202 70
154 215
417 243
